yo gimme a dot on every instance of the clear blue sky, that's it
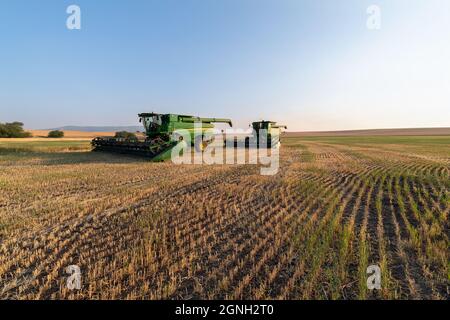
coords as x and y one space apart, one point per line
312 65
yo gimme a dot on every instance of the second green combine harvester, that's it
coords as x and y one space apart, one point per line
158 131
267 134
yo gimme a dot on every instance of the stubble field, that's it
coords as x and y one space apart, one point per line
141 230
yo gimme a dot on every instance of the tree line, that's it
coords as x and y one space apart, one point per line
13 130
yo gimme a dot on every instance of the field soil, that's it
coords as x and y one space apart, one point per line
142 230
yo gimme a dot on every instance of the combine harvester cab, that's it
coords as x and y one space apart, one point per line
158 143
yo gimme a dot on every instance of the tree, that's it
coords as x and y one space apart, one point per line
126 135
13 130
56 134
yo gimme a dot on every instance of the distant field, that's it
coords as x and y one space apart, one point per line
20 147
374 132
161 231
72 134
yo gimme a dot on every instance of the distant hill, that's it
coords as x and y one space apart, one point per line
374 132
100 128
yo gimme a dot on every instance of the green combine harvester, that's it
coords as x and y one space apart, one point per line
158 142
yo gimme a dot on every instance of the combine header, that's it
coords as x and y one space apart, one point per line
158 131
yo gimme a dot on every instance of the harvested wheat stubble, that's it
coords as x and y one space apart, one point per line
141 230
